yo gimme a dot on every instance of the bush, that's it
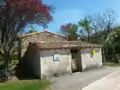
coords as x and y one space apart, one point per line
14 57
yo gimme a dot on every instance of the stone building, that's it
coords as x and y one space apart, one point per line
48 54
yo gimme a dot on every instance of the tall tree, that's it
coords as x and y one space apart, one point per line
109 21
70 31
85 23
14 16
113 45
102 24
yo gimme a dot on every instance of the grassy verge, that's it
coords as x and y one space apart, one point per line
111 64
25 85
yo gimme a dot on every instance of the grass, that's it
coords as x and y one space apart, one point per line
25 85
111 64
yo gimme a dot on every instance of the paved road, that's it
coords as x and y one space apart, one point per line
79 80
110 82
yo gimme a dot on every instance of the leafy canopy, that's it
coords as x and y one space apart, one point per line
15 15
85 23
70 30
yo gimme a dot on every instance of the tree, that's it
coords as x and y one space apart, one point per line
109 21
85 23
70 31
112 43
14 16
102 24
32 30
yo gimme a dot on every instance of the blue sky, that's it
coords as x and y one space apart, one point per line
73 10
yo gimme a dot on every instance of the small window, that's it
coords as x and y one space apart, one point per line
56 57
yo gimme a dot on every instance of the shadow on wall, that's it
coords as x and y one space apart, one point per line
25 70
24 73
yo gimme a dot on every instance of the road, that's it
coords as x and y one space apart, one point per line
110 82
79 80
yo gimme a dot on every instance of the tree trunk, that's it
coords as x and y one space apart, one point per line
19 49
88 37
7 60
103 56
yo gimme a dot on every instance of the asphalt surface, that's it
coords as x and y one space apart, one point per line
79 80
110 82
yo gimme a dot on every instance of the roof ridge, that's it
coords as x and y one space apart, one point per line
55 41
30 34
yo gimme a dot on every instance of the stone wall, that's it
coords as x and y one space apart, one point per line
42 36
49 67
91 61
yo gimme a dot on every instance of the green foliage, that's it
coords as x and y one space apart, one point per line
102 25
113 45
14 57
31 31
26 85
73 32
85 23
13 63
70 30
15 16
112 64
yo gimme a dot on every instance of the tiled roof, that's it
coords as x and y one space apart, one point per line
64 44
30 34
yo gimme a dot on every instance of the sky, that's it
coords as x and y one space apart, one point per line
73 10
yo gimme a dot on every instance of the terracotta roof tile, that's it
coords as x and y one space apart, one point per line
64 44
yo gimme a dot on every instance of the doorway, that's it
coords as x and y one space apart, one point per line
76 60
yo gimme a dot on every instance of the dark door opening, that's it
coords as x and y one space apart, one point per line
76 60
74 53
